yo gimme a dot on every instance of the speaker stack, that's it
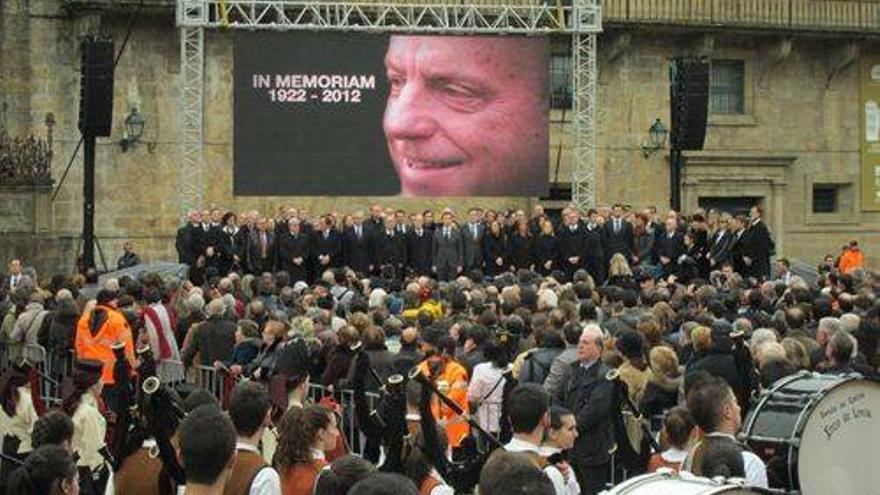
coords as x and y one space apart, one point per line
689 99
96 87
95 120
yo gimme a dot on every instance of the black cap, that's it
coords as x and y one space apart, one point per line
87 372
89 366
105 296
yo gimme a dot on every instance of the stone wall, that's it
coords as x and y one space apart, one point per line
796 109
26 230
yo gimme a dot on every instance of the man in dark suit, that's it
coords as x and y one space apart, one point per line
535 221
737 245
285 213
419 244
594 248
447 250
294 251
719 245
262 248
375 223
428 216
757 246
590 396
355 245
190 239
571 244
402 227
13 278
472 241
670 247
618 235
213 237
388 248
328 246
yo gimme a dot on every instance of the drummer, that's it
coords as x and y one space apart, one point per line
716 411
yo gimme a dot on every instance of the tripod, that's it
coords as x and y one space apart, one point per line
80 261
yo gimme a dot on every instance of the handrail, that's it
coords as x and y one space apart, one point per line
799 15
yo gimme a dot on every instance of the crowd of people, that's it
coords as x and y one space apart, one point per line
503 350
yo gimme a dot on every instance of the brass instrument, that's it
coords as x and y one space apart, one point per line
153 389
391 385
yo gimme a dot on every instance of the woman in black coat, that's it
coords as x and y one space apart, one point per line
545 249
494 250
694 263
520 248
232 244
713 353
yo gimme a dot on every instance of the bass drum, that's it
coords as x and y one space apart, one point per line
668 483
818 434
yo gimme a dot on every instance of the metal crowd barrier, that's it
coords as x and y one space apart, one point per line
210 379
53 367
345 399
171 372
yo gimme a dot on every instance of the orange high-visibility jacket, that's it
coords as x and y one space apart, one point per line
99 346
851 260
456 377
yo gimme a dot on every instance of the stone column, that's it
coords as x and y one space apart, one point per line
776 218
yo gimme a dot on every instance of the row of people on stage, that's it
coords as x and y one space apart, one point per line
485 240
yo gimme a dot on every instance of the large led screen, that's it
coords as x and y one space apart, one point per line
382 115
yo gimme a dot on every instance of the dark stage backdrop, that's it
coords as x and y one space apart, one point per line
309 109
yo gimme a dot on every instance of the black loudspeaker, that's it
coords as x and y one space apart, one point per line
689 99
96 87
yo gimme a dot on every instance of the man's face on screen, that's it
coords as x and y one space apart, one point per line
467 115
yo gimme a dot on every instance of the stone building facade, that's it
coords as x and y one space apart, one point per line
783 131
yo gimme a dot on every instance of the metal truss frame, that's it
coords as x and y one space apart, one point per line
583 20
585 74
192 73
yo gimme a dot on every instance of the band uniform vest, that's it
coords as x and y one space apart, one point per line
428 484
139 474
247 465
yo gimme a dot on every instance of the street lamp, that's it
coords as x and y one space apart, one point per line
134 128
656 139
